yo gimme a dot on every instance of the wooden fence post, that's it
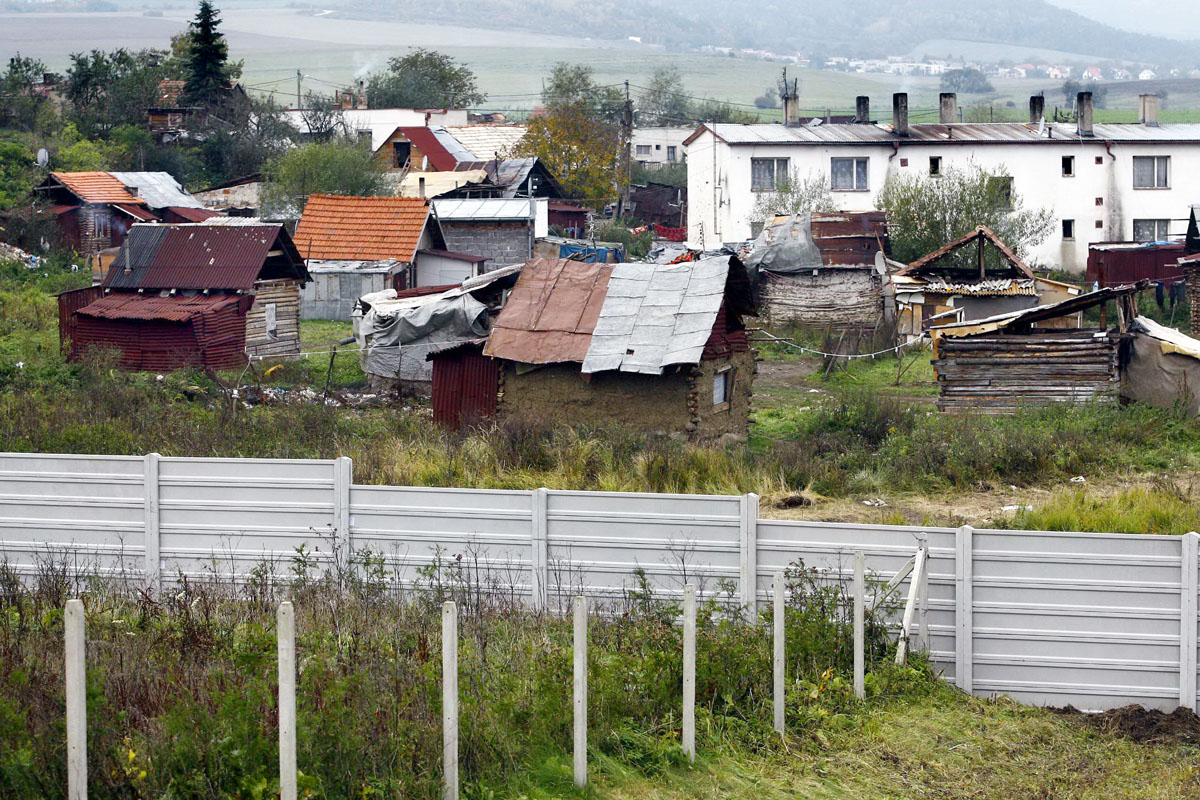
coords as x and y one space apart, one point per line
964 626
748 547
581 691
860 602
76 679
449 701
689 672
779 674
150 529
1190 552
285 637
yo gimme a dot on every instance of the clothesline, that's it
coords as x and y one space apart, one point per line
356 349
790 343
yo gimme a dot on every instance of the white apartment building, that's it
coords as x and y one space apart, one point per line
1104 182
659 147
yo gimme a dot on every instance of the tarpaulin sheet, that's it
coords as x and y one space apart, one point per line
785 248
396 335
590 255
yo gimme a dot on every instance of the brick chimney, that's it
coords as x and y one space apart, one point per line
1037 109
900 113
947 108
347 100
1083 114
1148 109
361 100
862 110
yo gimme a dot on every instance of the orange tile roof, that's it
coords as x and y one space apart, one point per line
97 187
361 228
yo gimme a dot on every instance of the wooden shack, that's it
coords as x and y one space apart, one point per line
1010 361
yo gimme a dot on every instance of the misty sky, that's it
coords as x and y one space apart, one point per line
1178 19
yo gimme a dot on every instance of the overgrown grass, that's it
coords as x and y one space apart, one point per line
1164 508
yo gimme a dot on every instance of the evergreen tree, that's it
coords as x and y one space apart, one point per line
207 70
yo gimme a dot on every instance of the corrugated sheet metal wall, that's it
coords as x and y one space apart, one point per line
1093 620
214 339
1119 267
68 303
465 383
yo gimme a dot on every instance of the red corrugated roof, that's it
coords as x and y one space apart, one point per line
137 212
551 312
361 228
177 308
97 187
211 257
423 139
188 214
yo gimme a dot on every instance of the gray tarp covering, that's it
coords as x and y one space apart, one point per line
1164 368
395 335
784 248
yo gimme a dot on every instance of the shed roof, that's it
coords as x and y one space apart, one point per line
484 209
1038 313
96 187
158 189
486 142
551 312
361 228
174 308
440 157
201 256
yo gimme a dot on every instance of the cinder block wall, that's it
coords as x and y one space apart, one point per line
502 243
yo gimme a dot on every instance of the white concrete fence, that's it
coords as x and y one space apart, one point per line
1088 619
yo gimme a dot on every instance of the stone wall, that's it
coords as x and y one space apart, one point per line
502 243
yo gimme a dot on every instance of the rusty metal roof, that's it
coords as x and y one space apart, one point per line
551 312
931 133
174 308
201 256
339 227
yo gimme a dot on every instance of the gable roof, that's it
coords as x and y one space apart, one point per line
486 142
203 256
158 189
550 313
979 235
96 187
424 139
342 227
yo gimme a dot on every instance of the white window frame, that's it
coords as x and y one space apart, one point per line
854 161
780 172
642 150
1161 229
1161 172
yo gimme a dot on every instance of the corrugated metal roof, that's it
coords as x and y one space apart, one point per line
486 142
456 256
967 133
1030 316
128 269
189 213
321 266
656 315
484 208
136 211
431 146
550 313
158 189
361 228
175 308
984 288
96 187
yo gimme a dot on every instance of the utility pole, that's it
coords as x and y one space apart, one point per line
626 154
298 77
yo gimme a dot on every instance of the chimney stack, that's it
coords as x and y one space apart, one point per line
862 110
1148 104
421 187
948 108
900 113
1037 109
1083 114
347 101
362 96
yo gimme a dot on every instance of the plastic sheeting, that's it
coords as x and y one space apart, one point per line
785 248
395 335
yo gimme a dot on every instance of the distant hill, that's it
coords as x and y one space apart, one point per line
819 27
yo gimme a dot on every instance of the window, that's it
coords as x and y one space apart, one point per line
1151 172
401 152
849 174
364 136
1150 230
1068 226
722 383
670 152
767 174
1001 188
1099 161
272 325
643 150
1068 166
935 165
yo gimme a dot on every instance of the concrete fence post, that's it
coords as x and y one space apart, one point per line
76 680
689 672
860 608
449 701
1190 556
285 633
779 655
151 538
581 691
923 596
964 603
540 557
343 476
748 548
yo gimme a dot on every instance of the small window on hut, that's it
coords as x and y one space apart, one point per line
1068 166
272 324
722 383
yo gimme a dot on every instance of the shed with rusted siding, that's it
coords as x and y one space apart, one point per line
465 384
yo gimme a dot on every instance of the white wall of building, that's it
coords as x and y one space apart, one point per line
1100 197
657 147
